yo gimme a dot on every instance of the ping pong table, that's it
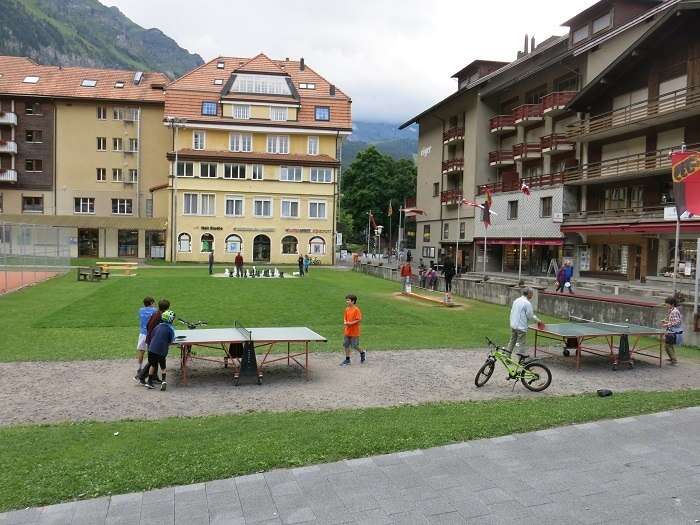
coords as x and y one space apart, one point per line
583 332
239 344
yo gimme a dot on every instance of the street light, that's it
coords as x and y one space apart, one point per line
175 124
379 240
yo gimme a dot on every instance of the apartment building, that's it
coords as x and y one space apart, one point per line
80 148
255 162
509 125
620 213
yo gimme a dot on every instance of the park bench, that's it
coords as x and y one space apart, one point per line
91 273
129 268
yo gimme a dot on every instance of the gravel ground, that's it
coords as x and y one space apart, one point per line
104 390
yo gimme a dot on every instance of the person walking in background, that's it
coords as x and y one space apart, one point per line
520 314
238 261
448 272
307 263
409 257
561 276
352 317
406 273
568 276
211 262
300 263
674 329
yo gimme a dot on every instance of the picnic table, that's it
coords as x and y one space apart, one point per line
129 268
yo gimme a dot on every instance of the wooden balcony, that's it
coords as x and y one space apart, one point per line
452 166
8 146
451 197
7 175
555 103
647 113
453 135
541 181
8 118
501 158
617 216
502 124
556 143
527 114
527 151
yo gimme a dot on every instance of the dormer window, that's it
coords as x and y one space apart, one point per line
580 34
88 82
31 80
119 84
307 85
220 65
261 84
601 23
218 81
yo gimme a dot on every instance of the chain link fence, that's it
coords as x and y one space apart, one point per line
30 253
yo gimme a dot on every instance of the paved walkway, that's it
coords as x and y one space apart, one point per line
634 470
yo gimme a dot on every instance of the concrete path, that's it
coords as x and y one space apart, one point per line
634 470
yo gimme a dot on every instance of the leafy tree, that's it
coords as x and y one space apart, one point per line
371 181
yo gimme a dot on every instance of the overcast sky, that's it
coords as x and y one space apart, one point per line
394 58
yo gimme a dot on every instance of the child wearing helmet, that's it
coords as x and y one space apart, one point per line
161 339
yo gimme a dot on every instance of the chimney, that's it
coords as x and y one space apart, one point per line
301 64
332 90
532 43
525 51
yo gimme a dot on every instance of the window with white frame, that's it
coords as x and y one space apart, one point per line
261 84
207 170
117 144
234 244
241 111
208 204
290 173
198 139
278 113
184 242
133 176
317 246
185 169
133 145
101 143
234 206
84 204
321 175
317 210
234 171
206 243
289 245
290 208
277 144
240 142
189 203
262 207
312 146
256 172
101 113
101 174
118 113
122 207
117 175
545 206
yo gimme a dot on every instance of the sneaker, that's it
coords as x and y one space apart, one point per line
346 362
363 357
163 386
149 385
156 380
138 379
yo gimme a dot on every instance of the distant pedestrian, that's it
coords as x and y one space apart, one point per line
409 257
238 261
307 263
406 273
568 276
560 279
211 262
448 272
300 262
674 329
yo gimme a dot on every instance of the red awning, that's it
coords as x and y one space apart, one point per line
654 227
526 242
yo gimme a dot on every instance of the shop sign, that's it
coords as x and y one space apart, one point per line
670 214
211 228
306 230
245 229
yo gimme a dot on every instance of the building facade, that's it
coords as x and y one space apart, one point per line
256 159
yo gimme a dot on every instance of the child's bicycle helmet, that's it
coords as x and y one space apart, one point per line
168 316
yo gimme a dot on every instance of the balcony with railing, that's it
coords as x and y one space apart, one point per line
501 158
527 151
451 197
8 146
616 216
639 115
453 135
452 166
556 143
527 114
8 175
502 124
514 184
555 103
8 118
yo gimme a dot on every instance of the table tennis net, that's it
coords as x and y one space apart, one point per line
245 333
599 324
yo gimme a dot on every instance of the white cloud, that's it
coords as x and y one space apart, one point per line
394 58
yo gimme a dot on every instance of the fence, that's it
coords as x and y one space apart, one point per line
30 253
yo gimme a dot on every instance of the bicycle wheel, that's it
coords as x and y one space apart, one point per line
484 373
536 377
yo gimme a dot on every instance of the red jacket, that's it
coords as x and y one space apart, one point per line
238 260
406 270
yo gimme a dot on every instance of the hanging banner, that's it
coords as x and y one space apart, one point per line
685 172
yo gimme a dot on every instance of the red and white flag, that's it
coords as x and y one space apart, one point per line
412 212
525 188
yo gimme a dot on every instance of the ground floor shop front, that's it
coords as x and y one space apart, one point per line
508 255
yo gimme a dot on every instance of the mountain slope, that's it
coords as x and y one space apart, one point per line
87 33
386 137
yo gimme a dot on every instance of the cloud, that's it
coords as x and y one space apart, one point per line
394 58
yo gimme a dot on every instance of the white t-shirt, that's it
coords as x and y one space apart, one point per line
520 313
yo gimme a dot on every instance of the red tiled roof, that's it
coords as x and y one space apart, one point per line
65 82
263 158
260 64
184 96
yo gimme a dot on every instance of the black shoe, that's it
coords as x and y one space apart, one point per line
149 385
346 362
363 357
156 380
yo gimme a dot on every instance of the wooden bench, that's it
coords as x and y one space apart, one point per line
434 300
91 273
129 268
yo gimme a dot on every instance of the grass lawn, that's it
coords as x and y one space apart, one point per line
48 464
63 319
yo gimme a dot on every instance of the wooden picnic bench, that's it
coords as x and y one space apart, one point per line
91 273
129 268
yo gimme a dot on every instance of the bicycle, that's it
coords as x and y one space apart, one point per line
534 375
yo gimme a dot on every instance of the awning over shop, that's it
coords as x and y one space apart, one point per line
89 221
658 227
526 242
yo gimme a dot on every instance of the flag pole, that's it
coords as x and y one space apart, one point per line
459 207
520 261
486 232
675 251
369 229
390 245
697 275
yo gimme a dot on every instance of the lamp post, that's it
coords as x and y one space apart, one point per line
175 124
